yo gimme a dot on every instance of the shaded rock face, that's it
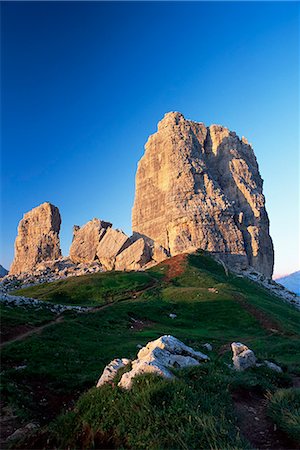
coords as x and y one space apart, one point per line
86 240
38 238
200 187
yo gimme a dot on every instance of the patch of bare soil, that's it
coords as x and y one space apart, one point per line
8 333
19 336
176 266
21 332
48 404
255 425
296 381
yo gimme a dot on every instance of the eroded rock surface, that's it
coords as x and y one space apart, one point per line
113 243
111 370
159 356
200 187
134 257
86 240
243 358
38 238
156 357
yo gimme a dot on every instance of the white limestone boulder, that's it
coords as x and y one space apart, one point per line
243 358
157 357
111 370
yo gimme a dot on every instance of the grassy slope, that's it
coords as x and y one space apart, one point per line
69 357
284 409
90 290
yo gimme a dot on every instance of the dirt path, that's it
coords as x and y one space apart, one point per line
264 320
60 317
255 425
35 330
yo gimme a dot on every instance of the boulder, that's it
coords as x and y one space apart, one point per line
208 347
156 357
113 243
134 257
111 370
273 366
243 358
86 240
199 187
159 356
38 238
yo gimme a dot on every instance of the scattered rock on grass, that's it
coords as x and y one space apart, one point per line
273 366
157 357
207 346
243 357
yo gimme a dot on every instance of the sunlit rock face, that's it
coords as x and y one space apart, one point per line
86 240
38 238
200 187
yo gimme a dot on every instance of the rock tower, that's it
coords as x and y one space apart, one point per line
199 187
37 239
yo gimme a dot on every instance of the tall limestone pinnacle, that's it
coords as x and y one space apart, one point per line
38 238
200 187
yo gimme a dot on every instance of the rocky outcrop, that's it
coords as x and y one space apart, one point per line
156 357
48 271
110 371
134 257
244 358
200 187
98 242
113 243
38 238
86 240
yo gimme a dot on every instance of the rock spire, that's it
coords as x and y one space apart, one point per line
200 187
37 239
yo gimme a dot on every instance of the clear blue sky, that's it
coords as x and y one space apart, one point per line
84 84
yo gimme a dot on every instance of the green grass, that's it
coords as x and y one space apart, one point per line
89 290
21 318
284 410
69 357
13 316
193 411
